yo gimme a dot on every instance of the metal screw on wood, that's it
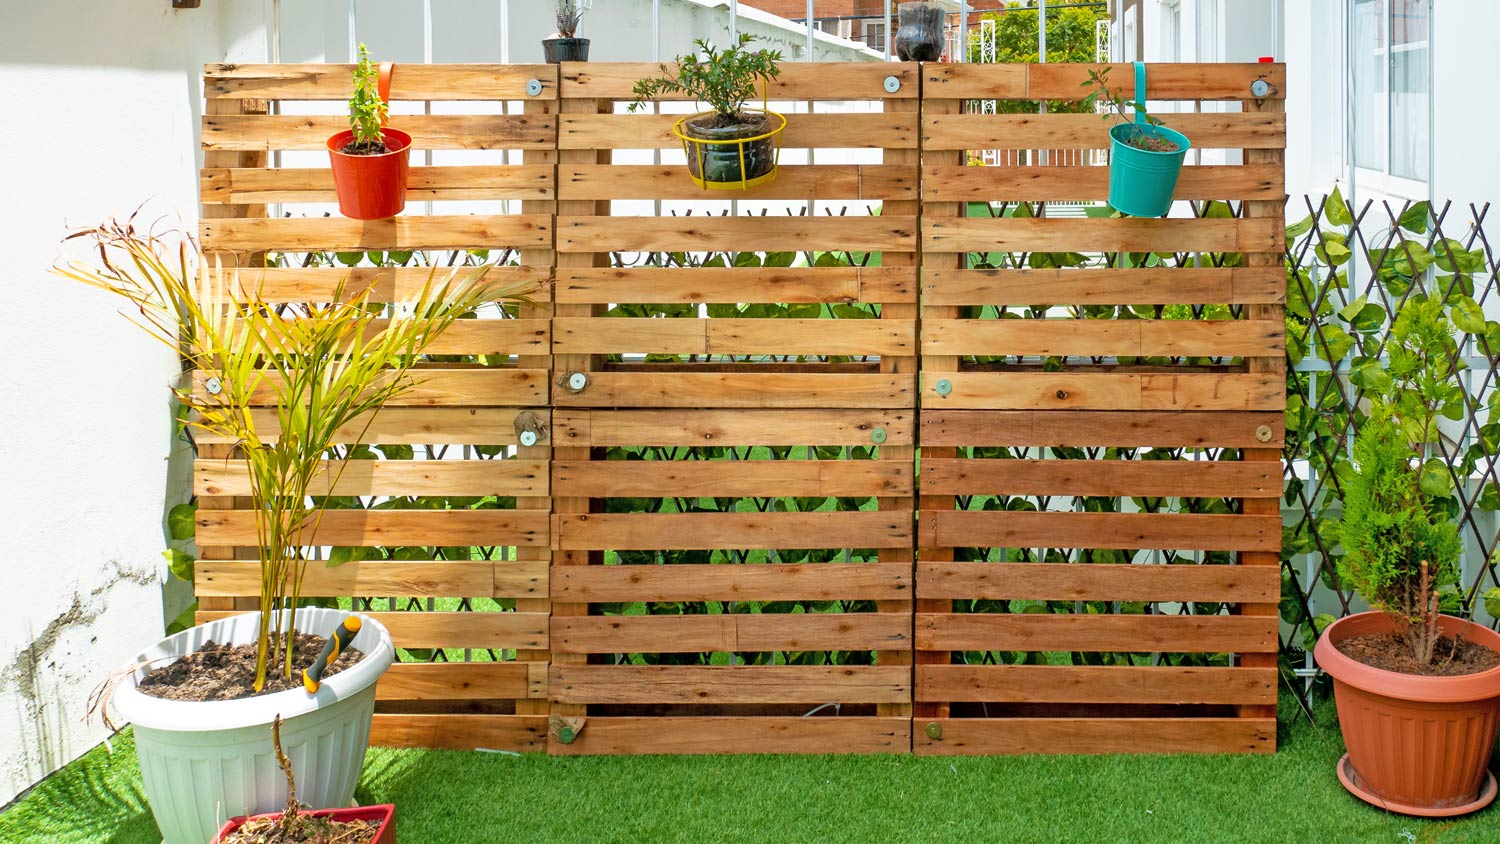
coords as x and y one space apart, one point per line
529 429
566 735
877 436
576 381
1264 433
1062 394
214 386
534 87
892 84
943 387
934 730
1259 88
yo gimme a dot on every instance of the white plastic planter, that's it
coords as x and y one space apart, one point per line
204 763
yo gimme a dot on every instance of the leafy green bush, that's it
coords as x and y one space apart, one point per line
367 111
725 79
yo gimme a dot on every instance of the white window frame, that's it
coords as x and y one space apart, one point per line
1383 180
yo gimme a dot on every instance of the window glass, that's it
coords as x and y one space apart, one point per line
1409 89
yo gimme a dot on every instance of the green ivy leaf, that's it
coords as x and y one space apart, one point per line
344 554
1335 211
180 563
1467 315
1492 601
182 521
1435 479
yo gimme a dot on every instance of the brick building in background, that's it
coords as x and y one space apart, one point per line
864 20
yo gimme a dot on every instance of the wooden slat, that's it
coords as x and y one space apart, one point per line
385 579
1135 478
391 527
1042 529
728 734
803 131
801 684
749 582
988 736
390 477
411 426
1096 684
516 733
312 234
793 181
735 336
606 428
1094 428
428 132
740 234
1176 286
798 81
424 183
730 479
732 633
493 630
277 285
710 285
1088 131
740 389
1096 582
408 82
985 184
1106 391
1119 234
686 531
476 387
1164 80
1104 337
463 681
1100 633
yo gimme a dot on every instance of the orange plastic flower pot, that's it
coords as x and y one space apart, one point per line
371 187
1417 745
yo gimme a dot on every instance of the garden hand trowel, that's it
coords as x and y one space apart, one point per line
337 642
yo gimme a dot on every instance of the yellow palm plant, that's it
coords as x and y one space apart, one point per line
322 369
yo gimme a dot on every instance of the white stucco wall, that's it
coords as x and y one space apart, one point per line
103 98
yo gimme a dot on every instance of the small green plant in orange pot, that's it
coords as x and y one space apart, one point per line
370 159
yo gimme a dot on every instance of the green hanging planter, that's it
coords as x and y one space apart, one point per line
1141 181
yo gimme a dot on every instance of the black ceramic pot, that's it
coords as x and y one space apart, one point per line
920 36
565 50
721 161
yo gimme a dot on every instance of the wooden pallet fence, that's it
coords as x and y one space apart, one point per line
449 527
734 394
1100 434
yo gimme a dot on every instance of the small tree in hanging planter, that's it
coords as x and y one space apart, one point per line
1145 157
370 160
731 146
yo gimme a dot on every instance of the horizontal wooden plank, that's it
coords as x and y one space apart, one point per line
793 181
312 234
1177 286
728 734
741 389
215 476
486 630
515 733
704 233
797 81
644 531
1105 337
1098 633
262 132
390 527
1157 684
1106 391
1135 478
217 186
1103 428
1044 529
278 285
1115 234
958 183
988 736
728 479
731 633
409 81
711 285
618 335
749 582
843 130
1098 582
410 426
576 427
385 579
1235 130
1164 80
799 684
472 387
464 681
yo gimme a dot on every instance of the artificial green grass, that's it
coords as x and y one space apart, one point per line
451 797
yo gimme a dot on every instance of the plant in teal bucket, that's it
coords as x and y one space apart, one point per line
1145 157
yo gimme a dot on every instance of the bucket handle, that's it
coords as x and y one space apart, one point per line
383 88
1140 92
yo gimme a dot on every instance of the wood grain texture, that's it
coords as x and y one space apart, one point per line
735 336
708 233
515 733
1164 81
988 736
1135 478
688 531
391 477
431 387
741 390
798 81
1096 684
428 132
750 427
391 527
793 181
1043 529
1096 582
1088 131
314 234
1106 391
1106 428
731 633
800 684
727 734
1116 234
1177 286
710 285
751 582
408 82
726 479
463 681
1104 337
413 426
803 131
237 185
1099 633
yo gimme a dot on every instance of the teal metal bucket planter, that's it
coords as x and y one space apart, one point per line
1141 181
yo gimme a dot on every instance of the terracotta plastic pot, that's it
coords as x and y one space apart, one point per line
1417 745
371 187
385 813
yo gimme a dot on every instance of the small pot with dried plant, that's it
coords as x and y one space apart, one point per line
1145 156
370 160
564 45
287 385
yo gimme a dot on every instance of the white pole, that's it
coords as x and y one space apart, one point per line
963 31
811 44
734 20
505 31
885 28
1041 32
353 39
